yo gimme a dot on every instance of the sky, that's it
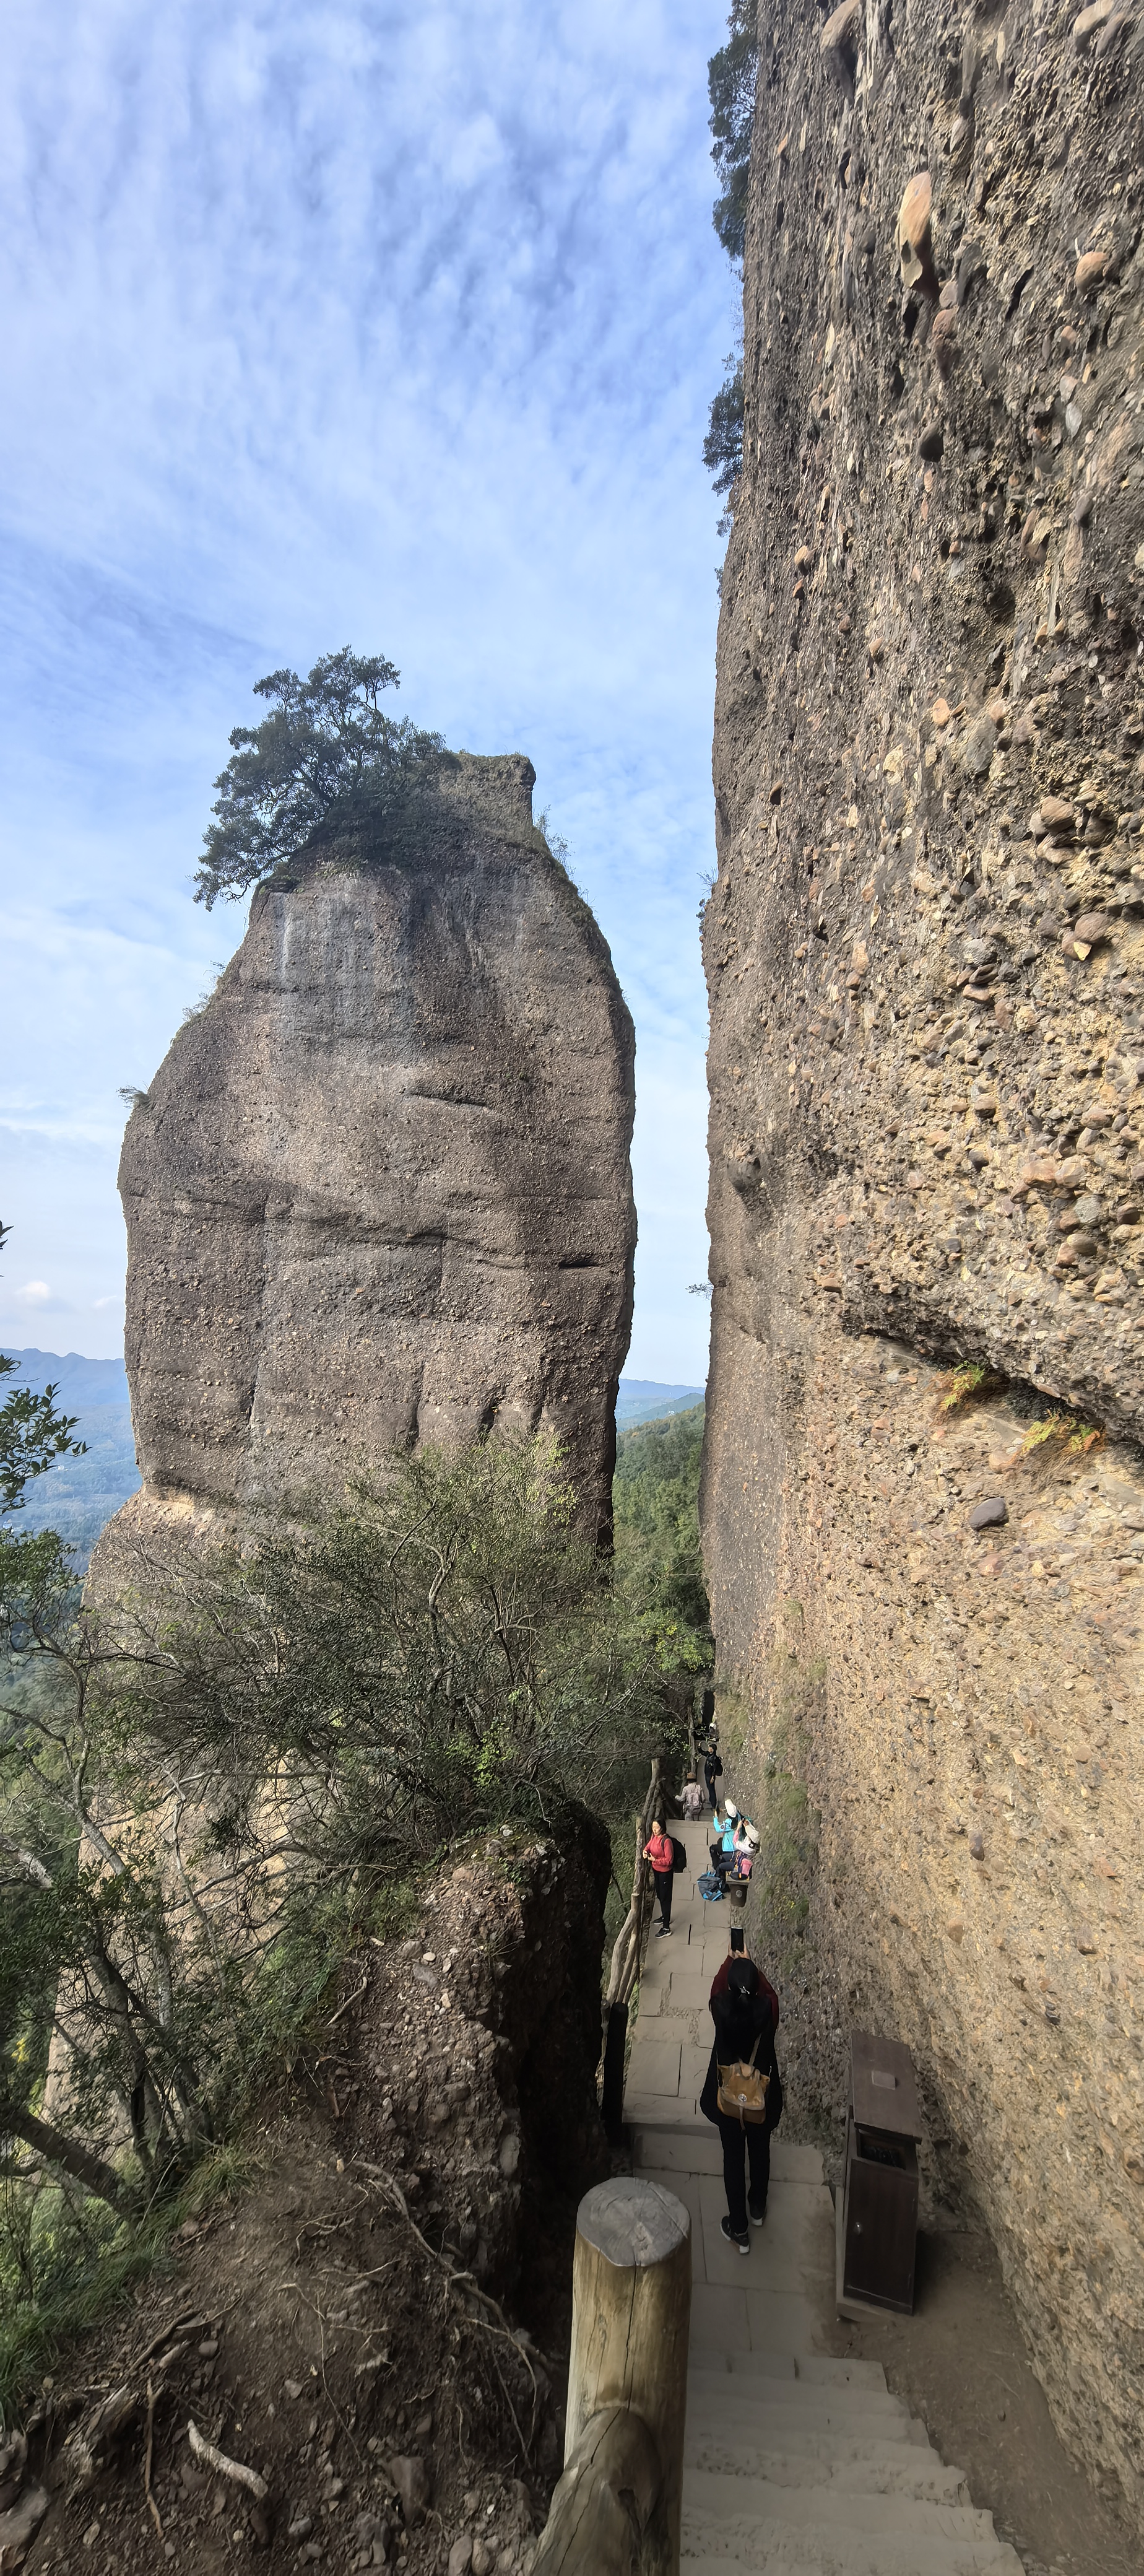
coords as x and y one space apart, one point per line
392 326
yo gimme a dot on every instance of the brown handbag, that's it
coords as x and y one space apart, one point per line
742 2093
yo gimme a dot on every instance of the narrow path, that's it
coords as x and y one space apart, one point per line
795 2461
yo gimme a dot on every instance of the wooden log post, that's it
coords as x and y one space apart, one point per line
617 2507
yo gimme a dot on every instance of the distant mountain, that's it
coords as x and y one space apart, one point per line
78 1495
80 1381
643 1399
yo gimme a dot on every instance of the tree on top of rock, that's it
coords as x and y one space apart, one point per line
327 754
731 75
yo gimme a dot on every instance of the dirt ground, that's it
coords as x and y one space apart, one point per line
961 2364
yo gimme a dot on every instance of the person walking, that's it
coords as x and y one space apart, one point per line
743 2013
713 1773
662 1857
692 1798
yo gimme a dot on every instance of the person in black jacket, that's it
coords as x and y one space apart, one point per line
713 1773
743 2015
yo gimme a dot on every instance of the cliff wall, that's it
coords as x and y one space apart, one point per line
924 953
379 1190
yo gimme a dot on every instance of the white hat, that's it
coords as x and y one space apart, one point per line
729 1810
753 1837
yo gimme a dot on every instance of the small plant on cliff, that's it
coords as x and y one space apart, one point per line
966 1385
1066 1432
326 754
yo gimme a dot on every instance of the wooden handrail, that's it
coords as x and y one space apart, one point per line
627 1951
616 2510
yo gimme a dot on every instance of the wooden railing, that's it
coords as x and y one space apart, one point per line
627 1952
616 2510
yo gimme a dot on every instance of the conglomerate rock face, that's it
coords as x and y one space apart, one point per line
379 1192
925 954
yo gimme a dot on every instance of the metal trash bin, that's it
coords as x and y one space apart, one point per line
876 2212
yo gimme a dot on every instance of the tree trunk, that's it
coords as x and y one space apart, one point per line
90 2170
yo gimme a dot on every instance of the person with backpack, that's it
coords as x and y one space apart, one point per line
661 1853
742 2095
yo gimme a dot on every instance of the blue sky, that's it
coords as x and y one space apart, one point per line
391 326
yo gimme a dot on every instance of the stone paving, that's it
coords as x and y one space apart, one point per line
795 2461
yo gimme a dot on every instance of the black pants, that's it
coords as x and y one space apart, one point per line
663 1879
710 1777
742 2146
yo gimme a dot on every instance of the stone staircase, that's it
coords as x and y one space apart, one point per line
794 2461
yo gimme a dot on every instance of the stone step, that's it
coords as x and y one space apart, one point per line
844 2463
778 2424
663 2139
743 2401
709 2371
714 2387
779 2550
753 2502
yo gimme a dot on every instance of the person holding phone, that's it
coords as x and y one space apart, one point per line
744 2010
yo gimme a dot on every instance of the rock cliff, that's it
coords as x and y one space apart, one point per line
924 953
379 1190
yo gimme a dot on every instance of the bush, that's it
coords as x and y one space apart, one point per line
203 1803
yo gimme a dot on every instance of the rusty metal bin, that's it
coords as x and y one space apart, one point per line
876 2213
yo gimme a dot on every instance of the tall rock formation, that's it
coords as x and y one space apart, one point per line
925 954
379 1190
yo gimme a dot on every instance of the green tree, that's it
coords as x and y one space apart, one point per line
32 1433
731 75
659 1559
326 759
723 445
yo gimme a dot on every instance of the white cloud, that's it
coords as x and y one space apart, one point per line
35 1292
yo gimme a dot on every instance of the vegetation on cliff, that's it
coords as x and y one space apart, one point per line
204 1804
659 1560
326 756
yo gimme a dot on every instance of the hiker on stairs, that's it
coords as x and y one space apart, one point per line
661 1853
743 2094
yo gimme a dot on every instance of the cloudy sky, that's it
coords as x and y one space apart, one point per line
385 325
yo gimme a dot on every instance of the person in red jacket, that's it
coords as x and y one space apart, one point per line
662 1859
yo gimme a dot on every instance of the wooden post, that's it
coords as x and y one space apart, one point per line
631 2314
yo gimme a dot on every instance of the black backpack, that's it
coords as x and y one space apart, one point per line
678 1855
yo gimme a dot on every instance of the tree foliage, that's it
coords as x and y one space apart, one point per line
731 75
32 1433
198 1800
659 1558
723 445
327 758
